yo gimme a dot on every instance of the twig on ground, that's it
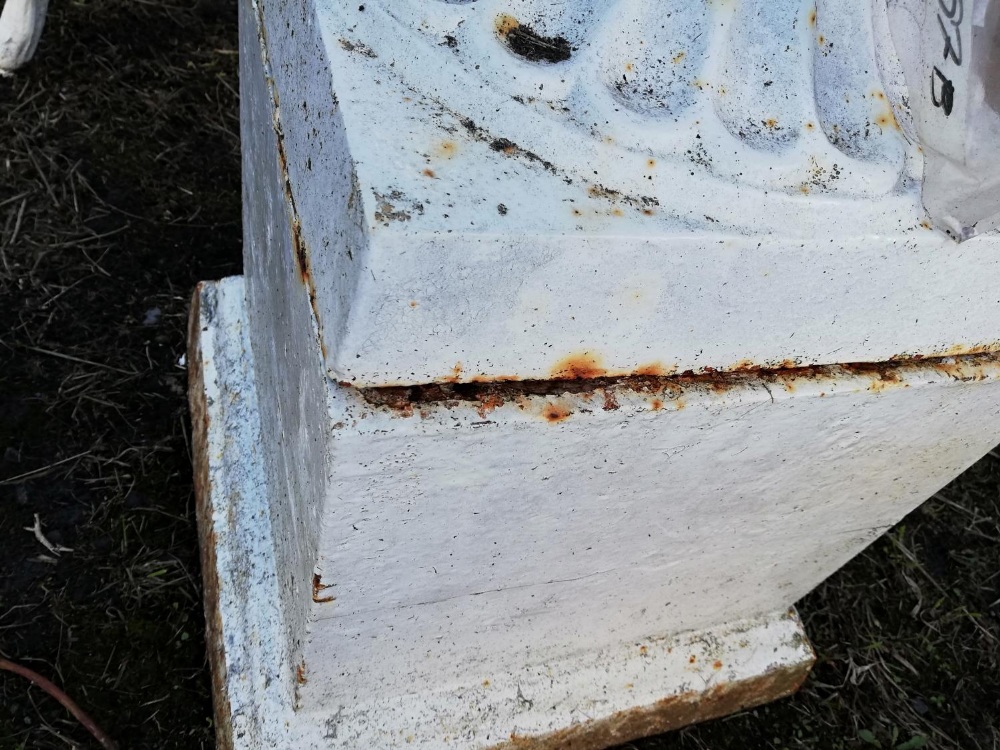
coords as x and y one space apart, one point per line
55 549
42 470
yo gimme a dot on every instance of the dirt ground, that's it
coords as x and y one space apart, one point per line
119 189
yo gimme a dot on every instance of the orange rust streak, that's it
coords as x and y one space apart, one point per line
610 401
583 375
555 413
489 403
319 587
666 714
578 367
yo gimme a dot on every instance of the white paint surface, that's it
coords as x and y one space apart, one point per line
758 203
546 692
21 23
419 554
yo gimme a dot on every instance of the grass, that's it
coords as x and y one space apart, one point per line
119 189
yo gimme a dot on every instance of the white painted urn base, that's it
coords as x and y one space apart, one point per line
592 698
688 621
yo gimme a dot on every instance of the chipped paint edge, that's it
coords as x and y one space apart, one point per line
253 699
200 425
251 692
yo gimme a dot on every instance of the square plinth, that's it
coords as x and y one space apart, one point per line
480 567
588 698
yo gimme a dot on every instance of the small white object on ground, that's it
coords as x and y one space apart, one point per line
21 23
55 549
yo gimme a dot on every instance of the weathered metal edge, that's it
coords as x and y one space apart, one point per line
671 713
252 673
200 421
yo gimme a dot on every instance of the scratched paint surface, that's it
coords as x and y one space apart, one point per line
492 187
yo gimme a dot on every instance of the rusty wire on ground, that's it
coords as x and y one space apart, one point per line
70 705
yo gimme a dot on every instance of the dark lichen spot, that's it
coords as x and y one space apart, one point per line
525 42
358 47
501 209
505 145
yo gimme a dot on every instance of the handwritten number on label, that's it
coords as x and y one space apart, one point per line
952 49
949 46
947 100
957 6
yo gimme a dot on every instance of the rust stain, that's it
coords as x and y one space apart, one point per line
300 673
886 119
617 212
629 67
692 659
667 714
643 651
812 18
429 173
555 412
655 369
647 212
413 303
650 163
678 57
610 401
885 379
745 365
717 665
584 365
771 123
318 587
446 149
822 40
456 373
583 374
505 24
300 251
810 126
489 403
486 683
